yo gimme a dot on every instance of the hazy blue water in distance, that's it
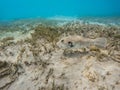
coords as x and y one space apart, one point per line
15 9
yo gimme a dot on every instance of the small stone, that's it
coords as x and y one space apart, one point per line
94 48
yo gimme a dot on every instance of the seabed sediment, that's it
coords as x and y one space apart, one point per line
32 59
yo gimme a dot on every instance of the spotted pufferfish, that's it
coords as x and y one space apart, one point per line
77 42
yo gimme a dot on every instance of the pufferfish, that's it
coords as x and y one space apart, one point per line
77 42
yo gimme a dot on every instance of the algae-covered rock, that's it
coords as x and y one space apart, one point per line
117 36
8 74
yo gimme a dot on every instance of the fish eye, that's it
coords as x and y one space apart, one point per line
69 42
62 40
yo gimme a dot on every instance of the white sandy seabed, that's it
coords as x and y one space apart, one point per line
55 68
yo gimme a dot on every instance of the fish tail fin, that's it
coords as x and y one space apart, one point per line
100 42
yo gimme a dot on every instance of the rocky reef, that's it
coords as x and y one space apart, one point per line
33 59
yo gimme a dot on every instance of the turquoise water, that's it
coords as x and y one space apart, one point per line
17 9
